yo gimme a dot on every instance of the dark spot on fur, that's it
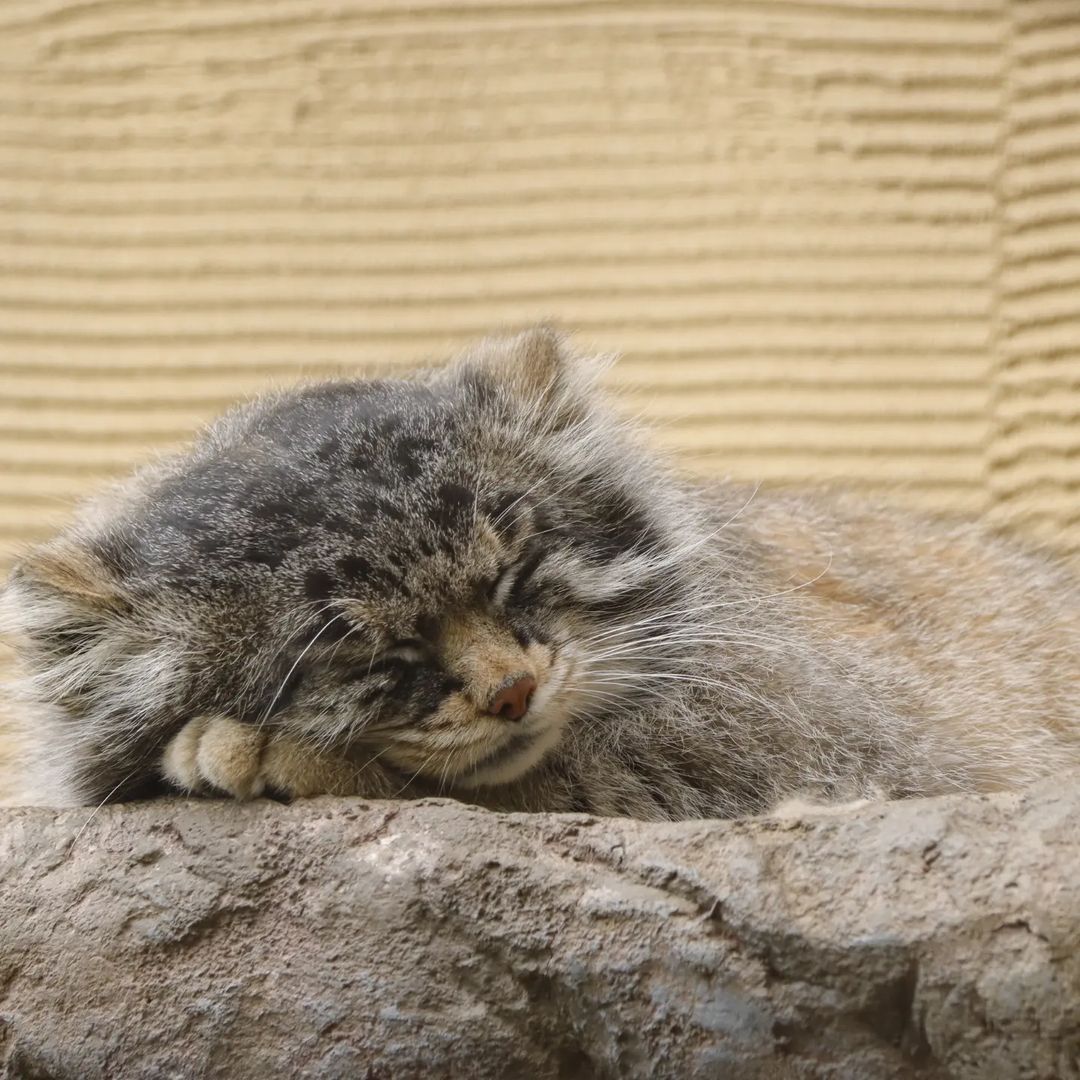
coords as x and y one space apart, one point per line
372 472
184 519
211 543
319 585
388 509
336 523
389 425
355 568
328 449
620 526
308 513
273 510
454 502
265 555
333 626
506 511
376 507
408 454
376 476
457 495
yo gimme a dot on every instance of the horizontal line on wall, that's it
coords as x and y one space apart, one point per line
967 331
592 158
874 11
884 303
730 271
931 204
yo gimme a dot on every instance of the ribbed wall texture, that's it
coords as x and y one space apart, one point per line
835 239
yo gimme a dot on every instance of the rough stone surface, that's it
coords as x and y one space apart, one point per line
339 938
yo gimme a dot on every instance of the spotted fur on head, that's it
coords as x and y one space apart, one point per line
356 570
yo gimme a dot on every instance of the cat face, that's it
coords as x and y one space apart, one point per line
424 570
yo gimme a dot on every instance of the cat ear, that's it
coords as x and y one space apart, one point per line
537 367
532 363
58 587
65 568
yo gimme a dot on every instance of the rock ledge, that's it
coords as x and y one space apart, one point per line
341 938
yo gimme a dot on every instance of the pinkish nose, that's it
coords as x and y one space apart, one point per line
512 701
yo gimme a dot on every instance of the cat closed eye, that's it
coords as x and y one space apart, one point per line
407 651
510 585
498 587
395 659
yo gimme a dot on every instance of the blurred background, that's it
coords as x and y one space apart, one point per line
833 240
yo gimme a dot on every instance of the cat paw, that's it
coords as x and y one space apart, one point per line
214 754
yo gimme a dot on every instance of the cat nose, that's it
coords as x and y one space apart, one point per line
511 702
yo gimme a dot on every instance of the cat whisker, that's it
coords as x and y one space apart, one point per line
97 809
361 769
423 765
307 648
665 616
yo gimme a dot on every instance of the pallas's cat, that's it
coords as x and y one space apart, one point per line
478 581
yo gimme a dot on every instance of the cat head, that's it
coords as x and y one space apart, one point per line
438 569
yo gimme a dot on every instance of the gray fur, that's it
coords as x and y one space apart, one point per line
298 568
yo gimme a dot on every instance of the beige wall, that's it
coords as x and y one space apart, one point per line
834 240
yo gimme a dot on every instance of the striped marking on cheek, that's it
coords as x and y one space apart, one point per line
454 710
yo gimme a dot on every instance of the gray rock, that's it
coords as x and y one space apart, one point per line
340 938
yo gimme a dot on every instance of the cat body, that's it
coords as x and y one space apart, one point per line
478 582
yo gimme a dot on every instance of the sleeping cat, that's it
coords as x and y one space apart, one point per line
477 581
